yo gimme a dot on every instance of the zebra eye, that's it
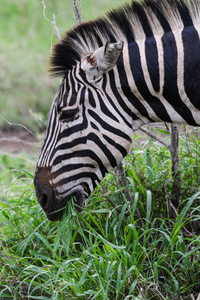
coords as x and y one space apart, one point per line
69 115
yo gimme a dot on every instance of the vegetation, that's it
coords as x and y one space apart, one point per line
137 250
133 251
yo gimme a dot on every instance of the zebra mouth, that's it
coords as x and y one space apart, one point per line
54 202
80 200
56 213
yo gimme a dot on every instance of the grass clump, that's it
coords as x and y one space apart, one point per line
130 251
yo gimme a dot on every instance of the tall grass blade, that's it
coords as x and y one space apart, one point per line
179 220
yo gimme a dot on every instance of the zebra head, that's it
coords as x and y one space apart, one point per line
87 133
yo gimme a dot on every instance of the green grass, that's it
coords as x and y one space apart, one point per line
26 36
102 253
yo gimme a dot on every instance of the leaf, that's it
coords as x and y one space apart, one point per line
179 220
46 243
163 131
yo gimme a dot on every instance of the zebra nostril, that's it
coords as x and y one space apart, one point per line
44 200
44 192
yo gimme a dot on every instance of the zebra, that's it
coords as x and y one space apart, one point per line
137 65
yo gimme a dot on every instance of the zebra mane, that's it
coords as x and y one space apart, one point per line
129 23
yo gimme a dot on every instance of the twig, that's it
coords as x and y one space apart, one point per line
21 125
155 137
16 140
119 170
44 11
77 13
167 199
173 148
175 165
166 125
52 22
56 28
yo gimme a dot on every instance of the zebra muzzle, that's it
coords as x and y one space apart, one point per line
49 199
46 195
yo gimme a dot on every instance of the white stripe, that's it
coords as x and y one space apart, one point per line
52 138
50 130
176 117
141 119
194 9
109 91
70 161
90 145
133 87
69 188
78 171
69 88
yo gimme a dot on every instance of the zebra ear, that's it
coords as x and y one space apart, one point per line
101 60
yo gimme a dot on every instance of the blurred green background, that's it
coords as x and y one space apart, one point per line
26 90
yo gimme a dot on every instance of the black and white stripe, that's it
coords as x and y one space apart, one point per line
156 78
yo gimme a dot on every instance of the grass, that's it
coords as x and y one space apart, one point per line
102 253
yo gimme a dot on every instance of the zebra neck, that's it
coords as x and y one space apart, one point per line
159 77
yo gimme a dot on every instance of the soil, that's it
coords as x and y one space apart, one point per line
16 142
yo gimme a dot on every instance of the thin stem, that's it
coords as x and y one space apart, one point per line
154 137
77 12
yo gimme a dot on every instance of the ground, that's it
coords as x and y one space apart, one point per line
15 142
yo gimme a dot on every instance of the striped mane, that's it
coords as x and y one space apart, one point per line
131 22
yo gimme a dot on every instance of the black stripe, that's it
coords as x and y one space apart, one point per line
105 109
151 53
128 93
75 128
73 98
184 13
139 10
108 127
91 99
82 154
90 175
69 145
121 102
94 126
156 8
192 65
84 184
137 71
93 137
71 167
49 133
170 91
116 145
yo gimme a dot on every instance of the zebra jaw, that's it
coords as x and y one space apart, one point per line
101 60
